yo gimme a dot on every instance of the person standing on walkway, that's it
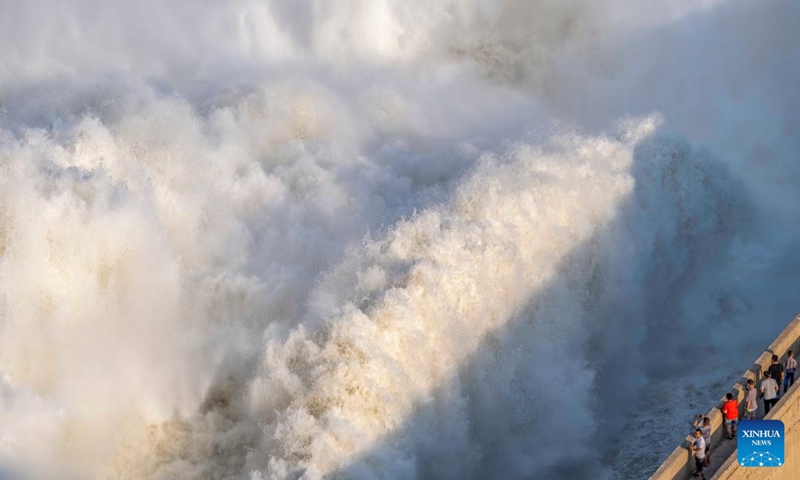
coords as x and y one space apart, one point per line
699 450
791 367
704 424
769 390
776 372
730 410
706 431
750 401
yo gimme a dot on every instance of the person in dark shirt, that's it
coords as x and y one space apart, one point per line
776 372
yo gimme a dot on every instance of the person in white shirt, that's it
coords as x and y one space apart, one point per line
791 367
699 449
769 390
750 401
704 424
706 430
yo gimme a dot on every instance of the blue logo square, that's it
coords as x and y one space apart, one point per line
760 443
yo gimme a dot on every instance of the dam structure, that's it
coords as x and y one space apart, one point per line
724 460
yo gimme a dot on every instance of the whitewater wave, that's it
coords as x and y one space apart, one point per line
385 239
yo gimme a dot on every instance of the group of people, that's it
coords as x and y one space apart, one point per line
770 391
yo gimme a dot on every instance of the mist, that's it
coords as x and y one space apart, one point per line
377 239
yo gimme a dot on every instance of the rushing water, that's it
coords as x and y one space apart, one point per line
367 239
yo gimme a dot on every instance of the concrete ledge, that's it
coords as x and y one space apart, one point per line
786 410
680 464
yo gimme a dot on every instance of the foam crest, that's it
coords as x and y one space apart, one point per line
379 238
432 291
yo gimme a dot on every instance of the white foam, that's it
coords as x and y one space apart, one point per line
383 239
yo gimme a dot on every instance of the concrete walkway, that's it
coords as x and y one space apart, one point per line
723 450
679 465
719 456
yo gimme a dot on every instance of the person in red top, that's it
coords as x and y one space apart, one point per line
731 411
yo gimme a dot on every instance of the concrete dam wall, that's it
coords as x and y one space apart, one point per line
680 464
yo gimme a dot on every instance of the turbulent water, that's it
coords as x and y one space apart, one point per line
389 239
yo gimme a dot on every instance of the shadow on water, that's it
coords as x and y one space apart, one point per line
551 393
